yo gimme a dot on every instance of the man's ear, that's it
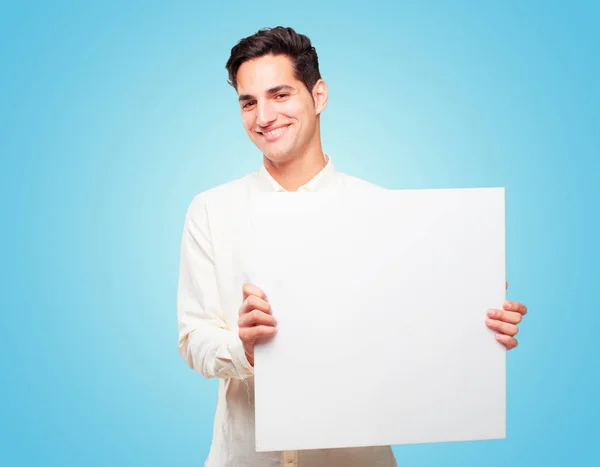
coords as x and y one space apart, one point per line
320 95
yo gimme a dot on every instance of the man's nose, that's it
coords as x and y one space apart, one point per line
265 114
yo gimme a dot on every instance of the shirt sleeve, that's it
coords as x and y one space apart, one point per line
206 342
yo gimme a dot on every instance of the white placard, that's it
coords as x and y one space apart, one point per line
381 303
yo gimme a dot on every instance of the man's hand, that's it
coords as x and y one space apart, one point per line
505 322
255 319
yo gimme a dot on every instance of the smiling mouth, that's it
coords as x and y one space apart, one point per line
274 134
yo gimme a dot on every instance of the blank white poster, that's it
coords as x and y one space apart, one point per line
381 303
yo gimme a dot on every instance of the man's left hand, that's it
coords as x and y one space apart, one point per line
505 322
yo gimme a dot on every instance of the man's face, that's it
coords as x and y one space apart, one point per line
278 112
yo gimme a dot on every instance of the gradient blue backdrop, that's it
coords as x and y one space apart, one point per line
114 115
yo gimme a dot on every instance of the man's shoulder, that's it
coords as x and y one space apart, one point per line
354 183
222 194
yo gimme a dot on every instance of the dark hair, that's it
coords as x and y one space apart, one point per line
277 41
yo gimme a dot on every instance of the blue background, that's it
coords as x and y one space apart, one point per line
113 116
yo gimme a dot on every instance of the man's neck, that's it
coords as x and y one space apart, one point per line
299 170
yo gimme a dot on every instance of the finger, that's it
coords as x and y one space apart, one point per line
251 289
256 317
509 342
501 327
249 335
511 317
515 306
254 303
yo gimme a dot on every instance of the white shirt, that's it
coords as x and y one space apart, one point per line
212 274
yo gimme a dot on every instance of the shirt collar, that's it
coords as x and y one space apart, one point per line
321 181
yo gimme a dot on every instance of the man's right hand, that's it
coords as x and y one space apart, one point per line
255 319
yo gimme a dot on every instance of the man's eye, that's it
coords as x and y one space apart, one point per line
248 104
281 96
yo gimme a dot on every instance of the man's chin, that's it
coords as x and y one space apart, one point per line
278 156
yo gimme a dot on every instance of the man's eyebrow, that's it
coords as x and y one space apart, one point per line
273 90
245 97
281 87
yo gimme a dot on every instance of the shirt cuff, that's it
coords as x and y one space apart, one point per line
240 360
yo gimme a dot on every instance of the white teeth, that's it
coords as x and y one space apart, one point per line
275 132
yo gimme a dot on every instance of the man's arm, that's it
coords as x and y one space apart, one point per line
206 341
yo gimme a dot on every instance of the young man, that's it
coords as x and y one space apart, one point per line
281 96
